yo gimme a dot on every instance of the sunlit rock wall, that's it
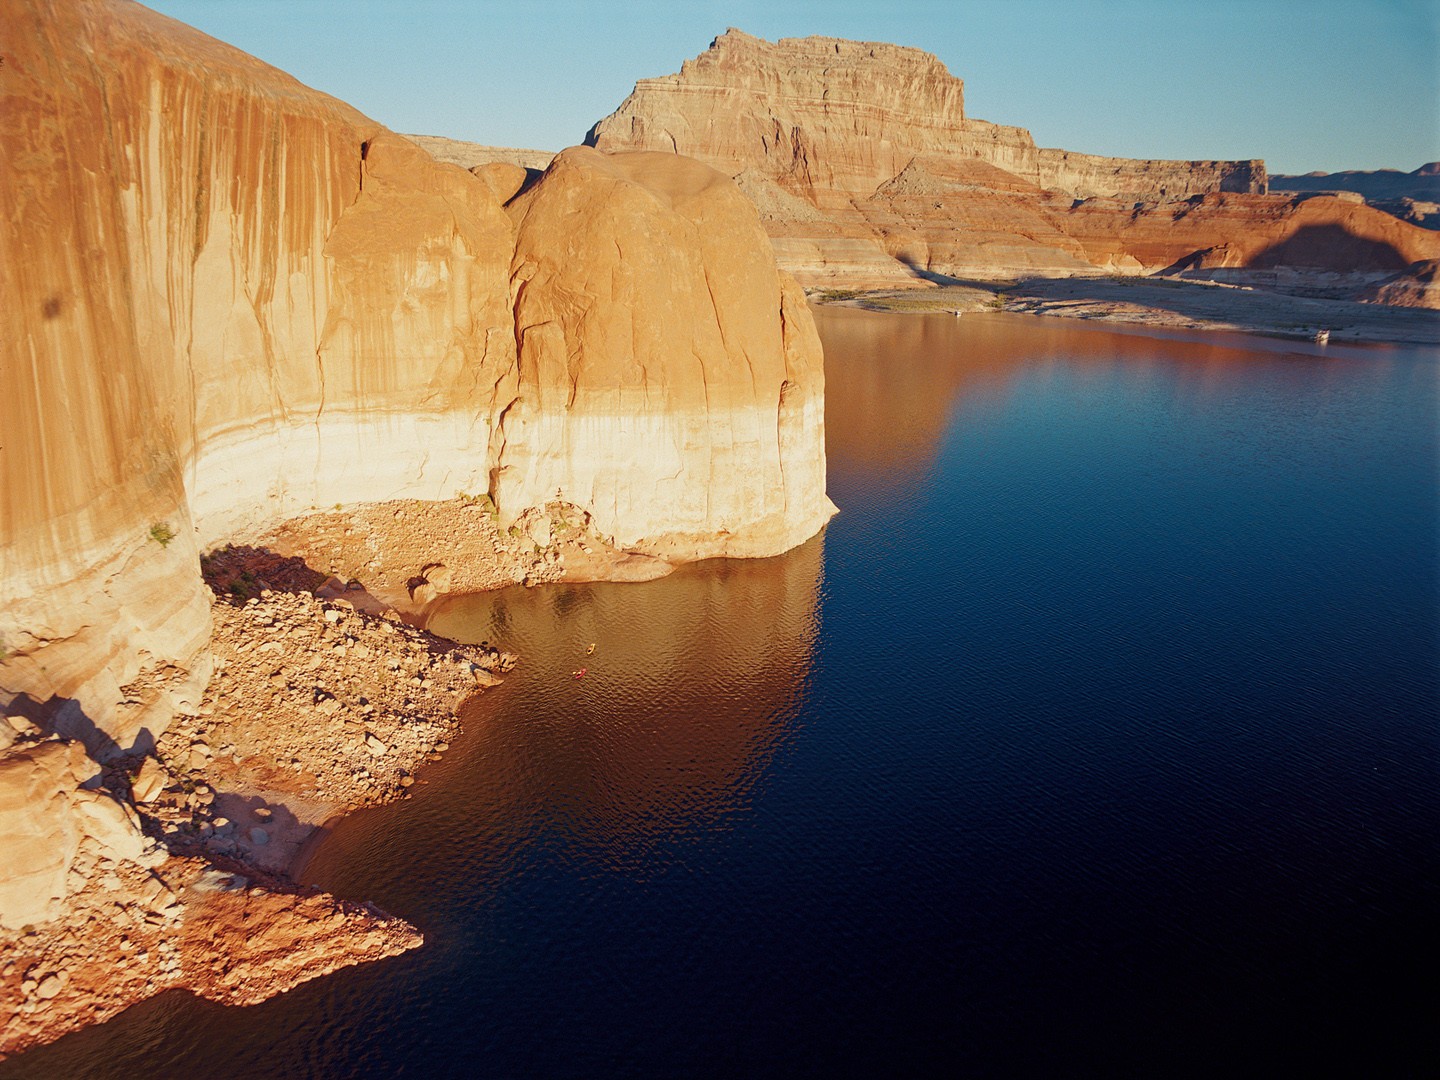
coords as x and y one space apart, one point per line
670 379
230 299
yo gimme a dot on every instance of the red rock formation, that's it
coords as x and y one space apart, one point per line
832 115
657 346
234 299
867 172
229 300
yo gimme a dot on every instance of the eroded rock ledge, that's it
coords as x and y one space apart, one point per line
170 868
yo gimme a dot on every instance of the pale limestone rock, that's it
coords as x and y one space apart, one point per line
41 830
149 782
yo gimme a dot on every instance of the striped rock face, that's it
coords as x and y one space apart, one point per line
670 379
231 300
868 173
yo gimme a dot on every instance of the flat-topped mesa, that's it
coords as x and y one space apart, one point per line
868 173
825 114
808 109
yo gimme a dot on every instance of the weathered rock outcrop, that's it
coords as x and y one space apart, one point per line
670 381
231 300
833 115
867 172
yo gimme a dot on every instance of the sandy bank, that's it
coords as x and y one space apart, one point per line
1164 303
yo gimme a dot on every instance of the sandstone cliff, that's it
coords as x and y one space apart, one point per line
234 299
835 115
867 172
231 300
669 380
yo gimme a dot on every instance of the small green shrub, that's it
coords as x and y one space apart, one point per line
482 500
162 533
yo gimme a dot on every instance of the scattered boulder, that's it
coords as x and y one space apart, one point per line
149 782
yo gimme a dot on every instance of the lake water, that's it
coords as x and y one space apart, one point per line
1097 735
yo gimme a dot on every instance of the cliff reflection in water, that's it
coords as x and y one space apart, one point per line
894 381
891 382
686 697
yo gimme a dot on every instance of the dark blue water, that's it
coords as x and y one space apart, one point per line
1096 736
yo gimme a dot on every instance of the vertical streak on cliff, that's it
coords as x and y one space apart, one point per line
219 321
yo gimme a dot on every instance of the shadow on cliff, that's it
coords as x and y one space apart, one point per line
937 278
1329 248
112 770
237 574
1314 249
1315 263
66 718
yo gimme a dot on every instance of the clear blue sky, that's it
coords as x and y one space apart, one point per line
1305 84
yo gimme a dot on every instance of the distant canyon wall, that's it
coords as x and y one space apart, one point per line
826 113
867 173
231 299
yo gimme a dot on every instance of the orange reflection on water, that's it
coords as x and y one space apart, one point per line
893 380
685 697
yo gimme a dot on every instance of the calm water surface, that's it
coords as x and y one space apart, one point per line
1097 735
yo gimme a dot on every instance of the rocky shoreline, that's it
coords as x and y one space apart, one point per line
182 874
325 696
1161 303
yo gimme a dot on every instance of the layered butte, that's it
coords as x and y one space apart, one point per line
867 172
833 114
